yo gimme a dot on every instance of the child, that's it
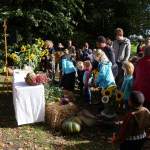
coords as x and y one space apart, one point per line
68 71
86 80
126 87
132 132
105 76
80 72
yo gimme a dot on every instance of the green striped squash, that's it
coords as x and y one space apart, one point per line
71 127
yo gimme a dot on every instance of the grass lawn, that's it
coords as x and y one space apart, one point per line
133 48
40 136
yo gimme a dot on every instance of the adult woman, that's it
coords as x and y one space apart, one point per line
142 76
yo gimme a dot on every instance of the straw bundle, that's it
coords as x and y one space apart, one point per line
56 113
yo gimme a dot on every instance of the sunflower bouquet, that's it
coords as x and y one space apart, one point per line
112 99
31 54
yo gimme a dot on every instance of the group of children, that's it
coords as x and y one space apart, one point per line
98 73
87 74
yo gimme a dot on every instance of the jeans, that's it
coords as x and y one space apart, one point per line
87 95
120 76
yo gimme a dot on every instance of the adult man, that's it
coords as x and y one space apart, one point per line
122 49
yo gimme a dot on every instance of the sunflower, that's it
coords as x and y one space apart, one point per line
32 57
46 52
119 95
42 54
40 42
23 48
106 92
105 99
15 57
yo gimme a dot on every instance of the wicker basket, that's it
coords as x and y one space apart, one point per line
57 113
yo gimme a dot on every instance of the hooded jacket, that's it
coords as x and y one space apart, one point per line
105 76
122 50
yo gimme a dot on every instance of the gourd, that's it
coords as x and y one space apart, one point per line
71 127
31 78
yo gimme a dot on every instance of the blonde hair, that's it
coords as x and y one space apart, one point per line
100 54
129 67
48 44
80 64
87 64
66 51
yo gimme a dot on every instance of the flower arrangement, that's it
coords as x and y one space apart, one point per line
111 93
36 79
31 54
111 98
28 54
14 57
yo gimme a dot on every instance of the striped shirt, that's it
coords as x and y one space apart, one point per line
136 137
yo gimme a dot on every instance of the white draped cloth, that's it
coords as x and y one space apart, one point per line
29 101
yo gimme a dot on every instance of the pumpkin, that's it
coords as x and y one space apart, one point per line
31 78
71 127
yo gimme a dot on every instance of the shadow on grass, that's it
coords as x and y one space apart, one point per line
89 145
7 113
88 139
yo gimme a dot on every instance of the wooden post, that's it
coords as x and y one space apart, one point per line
6 62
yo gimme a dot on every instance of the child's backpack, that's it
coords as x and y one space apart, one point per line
67 66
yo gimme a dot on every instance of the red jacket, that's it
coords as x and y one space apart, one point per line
142 77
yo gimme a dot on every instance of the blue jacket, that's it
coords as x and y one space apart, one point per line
127 86
105 76
68 66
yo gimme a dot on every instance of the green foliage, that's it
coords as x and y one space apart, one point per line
77 19
133 48
52 93
102 17
46 18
